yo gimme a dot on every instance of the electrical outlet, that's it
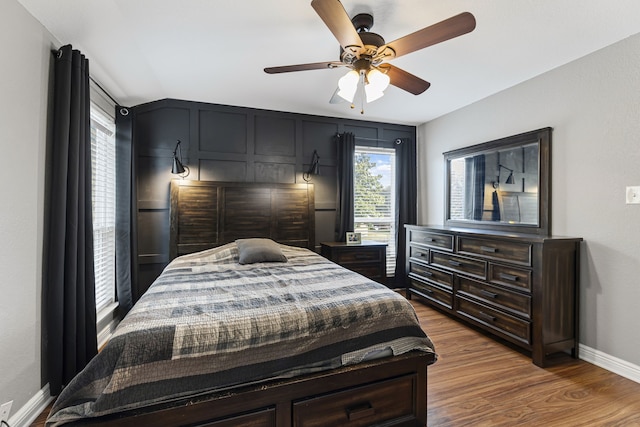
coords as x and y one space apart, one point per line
5 409
633 195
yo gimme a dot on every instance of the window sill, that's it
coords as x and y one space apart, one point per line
106 322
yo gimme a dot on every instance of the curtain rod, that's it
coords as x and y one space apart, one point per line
104 91
397 140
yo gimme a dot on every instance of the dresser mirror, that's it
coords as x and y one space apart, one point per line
502 185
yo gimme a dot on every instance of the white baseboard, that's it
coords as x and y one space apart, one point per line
610 363
26 415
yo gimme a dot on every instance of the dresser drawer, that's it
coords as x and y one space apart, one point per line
378 403
514 328
500 298
514 252
347 256
419 253
472 267
516 278
431 274
433 293
435 240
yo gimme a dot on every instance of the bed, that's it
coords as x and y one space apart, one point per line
254 332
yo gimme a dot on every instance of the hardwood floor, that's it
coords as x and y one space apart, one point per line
478 382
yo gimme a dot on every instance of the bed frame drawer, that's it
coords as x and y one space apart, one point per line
389 402
264 418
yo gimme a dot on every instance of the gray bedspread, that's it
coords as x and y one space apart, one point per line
208 323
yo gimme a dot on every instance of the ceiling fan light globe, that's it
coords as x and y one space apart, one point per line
372 93
378 80
348 84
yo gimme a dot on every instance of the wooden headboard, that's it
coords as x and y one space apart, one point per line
206 214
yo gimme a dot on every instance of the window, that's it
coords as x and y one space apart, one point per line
374 198
103 164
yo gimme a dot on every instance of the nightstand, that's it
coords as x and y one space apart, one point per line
367 258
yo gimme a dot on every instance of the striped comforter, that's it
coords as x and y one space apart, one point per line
208 323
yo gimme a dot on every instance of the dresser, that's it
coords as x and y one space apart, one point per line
366 258
522 288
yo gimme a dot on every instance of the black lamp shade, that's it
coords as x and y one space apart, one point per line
510 179
177 167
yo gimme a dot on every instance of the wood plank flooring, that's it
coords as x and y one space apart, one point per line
478 382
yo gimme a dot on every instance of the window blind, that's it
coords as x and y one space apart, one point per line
374 198
103 163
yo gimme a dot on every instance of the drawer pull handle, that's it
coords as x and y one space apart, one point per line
427 273
510 277
488 294
488 249
361 411
486 316
455 263
362 256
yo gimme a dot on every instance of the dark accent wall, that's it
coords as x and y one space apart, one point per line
235 144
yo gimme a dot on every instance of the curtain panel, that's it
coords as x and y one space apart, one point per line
68 279
126 246
406 200
345 193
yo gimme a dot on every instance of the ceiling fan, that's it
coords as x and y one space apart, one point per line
366 53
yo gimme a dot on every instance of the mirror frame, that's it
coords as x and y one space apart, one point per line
543 138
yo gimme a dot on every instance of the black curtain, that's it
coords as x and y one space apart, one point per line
125 214
344 216
68 282
406 200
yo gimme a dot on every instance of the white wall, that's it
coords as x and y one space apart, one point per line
593 105
24 62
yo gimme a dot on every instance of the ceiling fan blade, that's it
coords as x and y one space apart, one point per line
404 80
436 33
303 67
336 18
335 98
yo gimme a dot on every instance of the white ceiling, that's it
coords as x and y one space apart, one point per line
215 51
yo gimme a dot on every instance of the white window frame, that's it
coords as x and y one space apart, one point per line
103 122
367 225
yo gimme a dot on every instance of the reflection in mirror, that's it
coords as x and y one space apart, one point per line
501 184
496 186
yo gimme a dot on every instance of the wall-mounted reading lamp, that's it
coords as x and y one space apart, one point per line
178 168
314 168
509 179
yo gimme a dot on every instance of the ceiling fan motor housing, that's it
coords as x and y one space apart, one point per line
372 41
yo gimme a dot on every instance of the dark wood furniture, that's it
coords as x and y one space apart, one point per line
520 287
503 184
206 214
389 391
366 258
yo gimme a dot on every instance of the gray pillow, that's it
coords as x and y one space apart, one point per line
259 250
